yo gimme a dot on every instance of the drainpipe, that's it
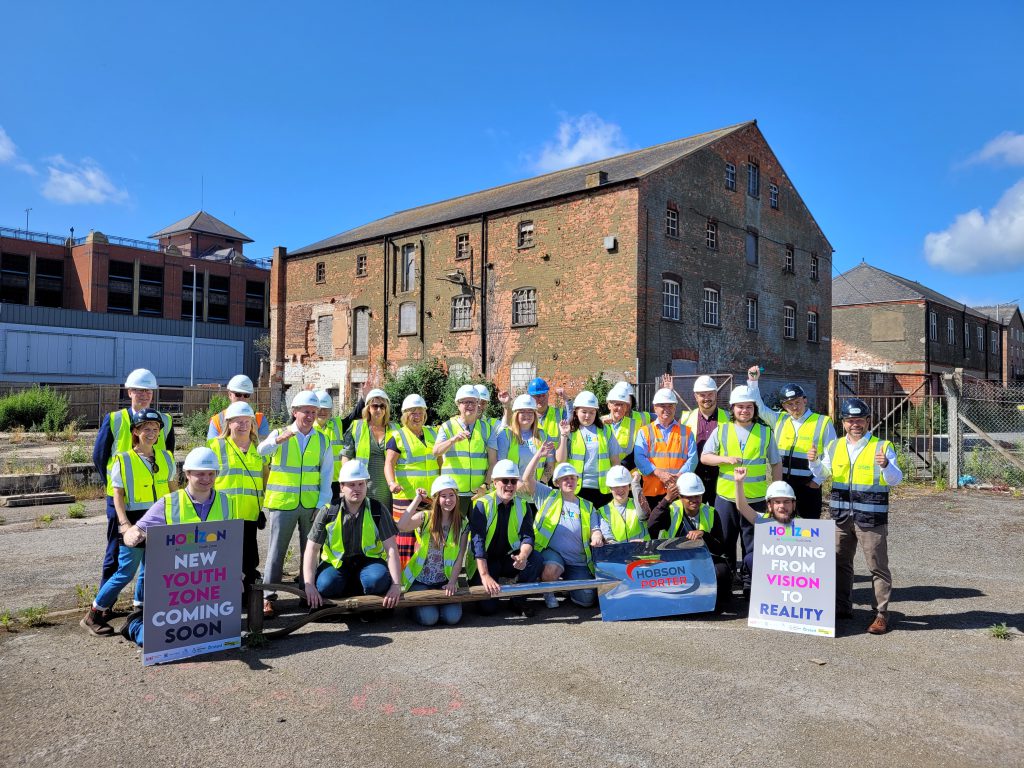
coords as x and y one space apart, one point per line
483 294
387 261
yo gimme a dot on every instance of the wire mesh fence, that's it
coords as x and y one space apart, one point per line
989 433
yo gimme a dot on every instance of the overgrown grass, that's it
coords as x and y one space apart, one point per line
81 490
74 453
7 620
85 594
76 511
34 409
44 520
32 616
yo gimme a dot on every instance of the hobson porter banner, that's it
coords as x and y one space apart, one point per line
193 590
794 580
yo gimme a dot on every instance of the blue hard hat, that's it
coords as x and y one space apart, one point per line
537 387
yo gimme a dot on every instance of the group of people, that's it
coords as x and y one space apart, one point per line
385 503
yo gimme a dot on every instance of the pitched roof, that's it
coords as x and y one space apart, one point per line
865 284
201 221
1001 313
632 165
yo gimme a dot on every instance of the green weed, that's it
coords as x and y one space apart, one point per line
7 620
76 511
34 616
1000 631
85 594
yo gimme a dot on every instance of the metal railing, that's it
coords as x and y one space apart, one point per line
128 242
35 237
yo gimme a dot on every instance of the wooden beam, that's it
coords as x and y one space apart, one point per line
1002 451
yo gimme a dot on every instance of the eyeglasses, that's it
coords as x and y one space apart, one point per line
506 480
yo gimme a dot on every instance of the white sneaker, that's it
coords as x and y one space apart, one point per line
550 600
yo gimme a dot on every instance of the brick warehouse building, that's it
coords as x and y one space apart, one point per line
694 255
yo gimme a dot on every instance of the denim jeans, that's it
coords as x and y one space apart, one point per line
584 598
282 526
499 567
428 615
129 560
373 578
110 557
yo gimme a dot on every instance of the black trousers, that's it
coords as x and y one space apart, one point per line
808 500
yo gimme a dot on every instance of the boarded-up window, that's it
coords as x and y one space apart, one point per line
361 331
407 318
522 374
887 325
325 336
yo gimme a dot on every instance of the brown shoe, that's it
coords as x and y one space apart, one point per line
268 608
93 621
879 626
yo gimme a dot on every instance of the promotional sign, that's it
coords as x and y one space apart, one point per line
657 578
193 590
794 579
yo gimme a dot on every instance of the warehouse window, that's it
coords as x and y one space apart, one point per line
361 265
671 221
524 306
462 246
752 254
812 326
789 263
710 315
933 326
407 318
670 299
522 375
773 195
360 330
712 234
789 321
950 333
408 267
751 313
730 177
462 313
753 179
325 336
967 337
321 272
981 339
524 238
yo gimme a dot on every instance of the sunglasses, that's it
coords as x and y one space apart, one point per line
242 396
506 480
377 407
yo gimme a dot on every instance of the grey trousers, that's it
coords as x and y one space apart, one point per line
282 526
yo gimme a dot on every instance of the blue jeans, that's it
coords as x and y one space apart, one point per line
584 598
501 566
135 630
373 577
113 543
428 615
129 560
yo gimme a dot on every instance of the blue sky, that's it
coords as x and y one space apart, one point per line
303 120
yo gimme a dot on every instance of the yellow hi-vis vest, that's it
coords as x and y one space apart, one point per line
178 508
795 444
467 463
514 450
423 545
336 436
333 550
859 489
627 429
295 475
549 421
515 522
240 478
142 485
624 527
578 455
360 432
416 466
121 432
550 513
678 520
755 458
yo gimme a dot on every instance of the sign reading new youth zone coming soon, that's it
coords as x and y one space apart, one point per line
794 580
193 590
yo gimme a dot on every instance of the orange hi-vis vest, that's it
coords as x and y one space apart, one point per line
664 454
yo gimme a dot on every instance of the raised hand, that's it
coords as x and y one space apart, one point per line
666 381
754 372
739 474
880 458
504 397
564 428
812 454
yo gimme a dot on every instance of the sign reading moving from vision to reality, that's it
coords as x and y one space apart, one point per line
193 590
794 580
657 578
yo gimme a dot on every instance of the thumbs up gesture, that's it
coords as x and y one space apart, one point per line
880 458
812 455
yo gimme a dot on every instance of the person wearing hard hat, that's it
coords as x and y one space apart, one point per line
689 516
240 390
410 465
863 469
115 436
796 428
566 527
467 447
197 502
519 441
703 421
351 545
367 439
589 446
242 479
299 483
442 537
139 477
483 396
743 440
501 537
335 428
623 518
664 449
625 422
548 416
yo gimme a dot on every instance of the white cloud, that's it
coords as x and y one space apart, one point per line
581 140
974 242
1007 147
84 182
9 155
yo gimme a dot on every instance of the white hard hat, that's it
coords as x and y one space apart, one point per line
780 489
565 469
618 477
466 392
688 484
665 396
413 401
353 470
326 401
377 393
621 392
443 482
704 384
585 399
240 383
482 392
304 398
741 394
524 403
238 408
140 378
201 459
505 468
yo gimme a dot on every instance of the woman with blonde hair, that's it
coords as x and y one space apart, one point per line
410 465
519 441
366 440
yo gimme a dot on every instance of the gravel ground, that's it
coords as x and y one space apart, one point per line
563 688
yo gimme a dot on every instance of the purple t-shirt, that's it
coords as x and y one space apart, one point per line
155 514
